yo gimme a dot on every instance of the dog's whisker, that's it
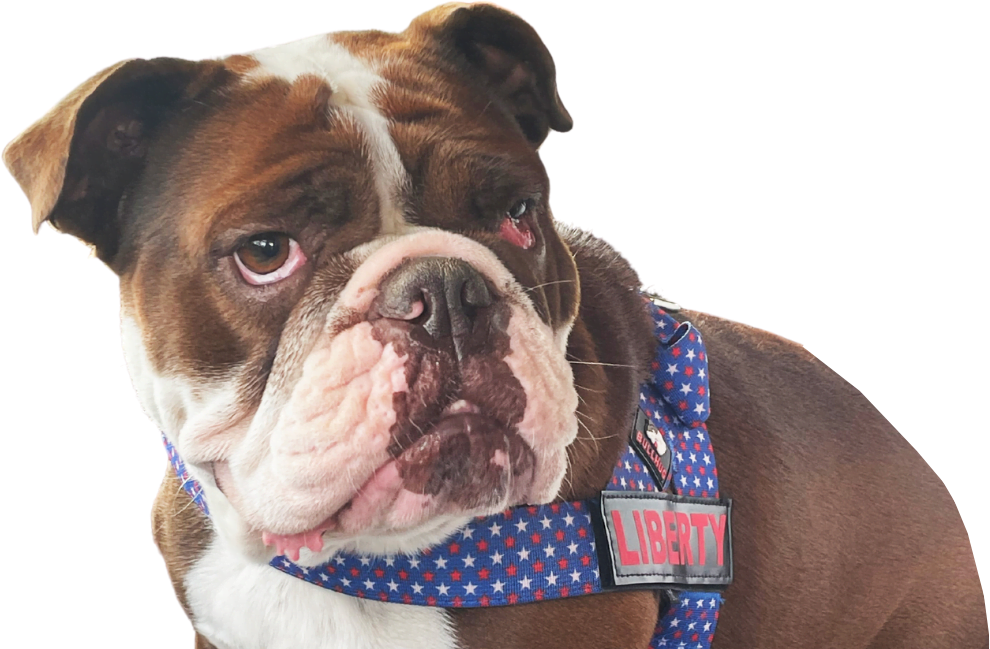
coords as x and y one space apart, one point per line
632 367
559 281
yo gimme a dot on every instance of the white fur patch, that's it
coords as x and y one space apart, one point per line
237 604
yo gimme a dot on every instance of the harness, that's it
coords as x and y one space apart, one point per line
658 524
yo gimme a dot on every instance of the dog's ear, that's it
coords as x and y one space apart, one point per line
506 53
76 162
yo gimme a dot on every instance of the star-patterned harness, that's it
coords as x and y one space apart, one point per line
541 552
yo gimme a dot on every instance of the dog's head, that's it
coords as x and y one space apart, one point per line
345 300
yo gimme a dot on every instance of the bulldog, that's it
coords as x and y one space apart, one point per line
347 306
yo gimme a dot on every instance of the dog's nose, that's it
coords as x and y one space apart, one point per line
446 297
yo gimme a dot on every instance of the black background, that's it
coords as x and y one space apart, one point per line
835 141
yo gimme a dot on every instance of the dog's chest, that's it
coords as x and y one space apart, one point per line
241 605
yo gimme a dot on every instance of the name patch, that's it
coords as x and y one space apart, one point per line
663 540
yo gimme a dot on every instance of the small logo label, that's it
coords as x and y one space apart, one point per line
647 440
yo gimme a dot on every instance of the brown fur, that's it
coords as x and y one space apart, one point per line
835 515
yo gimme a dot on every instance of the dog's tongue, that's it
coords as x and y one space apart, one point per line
290 544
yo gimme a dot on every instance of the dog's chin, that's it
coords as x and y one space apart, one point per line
465 464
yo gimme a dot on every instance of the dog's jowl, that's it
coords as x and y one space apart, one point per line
363 335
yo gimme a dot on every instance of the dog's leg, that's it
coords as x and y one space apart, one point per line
203 643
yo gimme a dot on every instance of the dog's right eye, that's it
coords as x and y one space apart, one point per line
268 258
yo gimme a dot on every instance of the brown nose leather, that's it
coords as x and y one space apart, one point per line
453 295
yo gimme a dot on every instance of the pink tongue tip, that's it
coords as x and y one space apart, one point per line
290 544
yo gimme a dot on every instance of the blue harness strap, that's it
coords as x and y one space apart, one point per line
541 552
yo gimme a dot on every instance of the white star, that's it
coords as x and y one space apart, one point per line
497 586
690 355
441 563
707 459
694 458
572 548
286 563
365 561
628 466
711 604
443 588
675 622
701 373
680 456
700 435
707 627
697 481
592 546
685 388
469 589
389 561
469 561
497 557
548 551
345 581
305 571
495 529
525 581
552 579
467 533
691 626
417 588
622 481
392 585
569 520
369 584
414 563
685 602
672 369
683 481
587 517
339 561
524 554
575 576
521 526
711 485
700 408
545 522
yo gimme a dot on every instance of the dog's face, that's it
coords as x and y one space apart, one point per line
345 300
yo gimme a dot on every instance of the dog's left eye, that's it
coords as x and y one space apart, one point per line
268 258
